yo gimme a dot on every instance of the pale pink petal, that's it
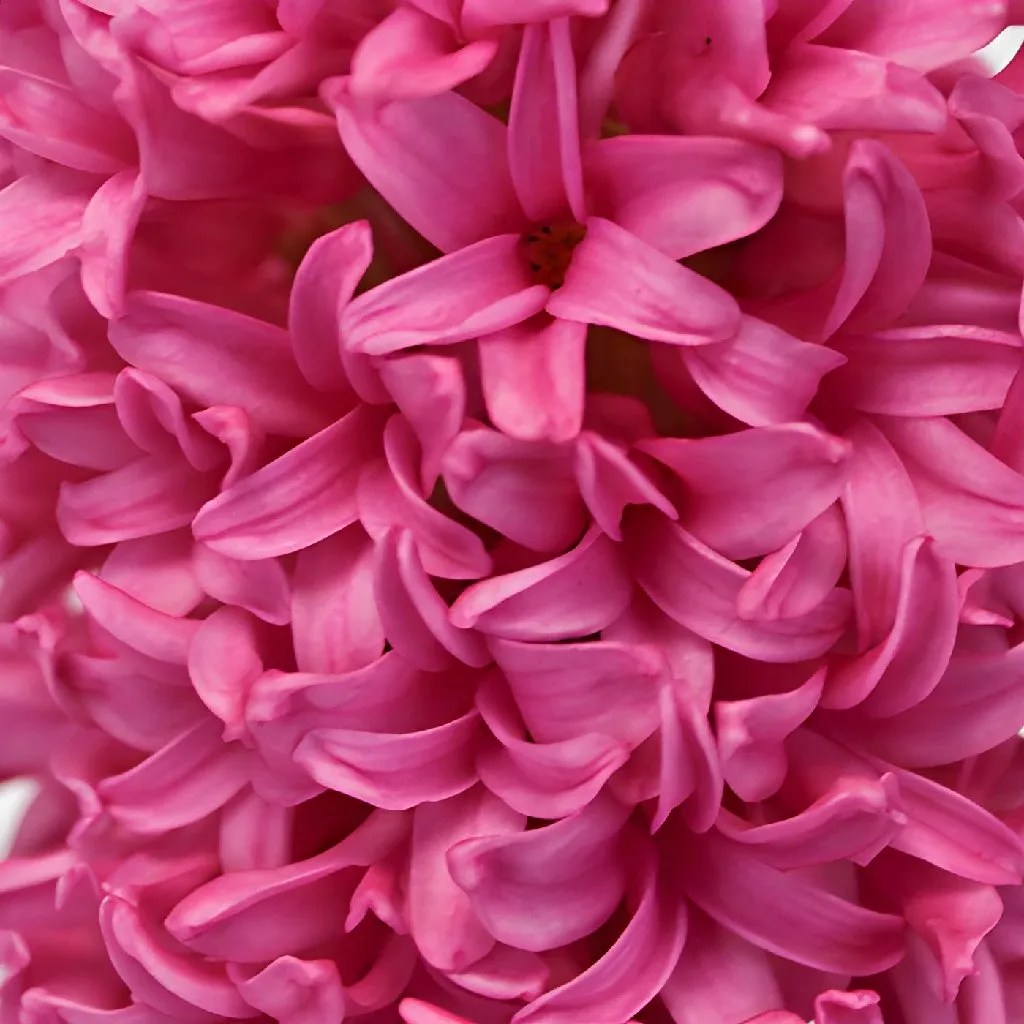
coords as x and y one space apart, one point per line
574 595
543 133
544 780
542 889
254 833
684 194
785 913
156 571
481 16
505 973
795 579
335 624
41 218
259 586
762 375
324 284
609 481
482 288
294 991
631 973
256 915
431 394
749 492
906 666
616 280
428 158
409 55
415 1011
525 490
599 687
750 737
847 1008
442 919
414 617
533 378
395 771
219 357
906 372
699 589
298 499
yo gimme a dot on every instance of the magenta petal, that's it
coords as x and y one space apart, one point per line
395 771
533 378
751 734
482 288
295 991
684 194
544 780
335 624
785 913
256 915
219 357
524 490
762 375
901 671
259 586
617 280
631 973
543 132
442 919
545 888
748 493
427 158
574 595
298 499
847 1008
699 589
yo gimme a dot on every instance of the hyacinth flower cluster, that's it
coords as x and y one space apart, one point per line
512 511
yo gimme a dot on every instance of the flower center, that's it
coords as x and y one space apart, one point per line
549 250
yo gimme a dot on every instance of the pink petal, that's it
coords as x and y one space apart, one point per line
524 490
324 284
545 888
295 991
543 780
749 492
533 378
563 690
442 919
795 579
394 771
906 372
683 195
41 218
218 357
482 288
543 133
259 586
853 821
751 734
785 913
843 89
480 16
414 616
431 394
180 784
847 1008
971 501
630 974
157 571
250 916
609 481
254 833
427 157
699 589
388 496
335 624
906 666
574 595
616 280
505 973
762 375
410 55
298 499
888 240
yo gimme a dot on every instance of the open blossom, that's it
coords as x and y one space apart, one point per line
510 512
